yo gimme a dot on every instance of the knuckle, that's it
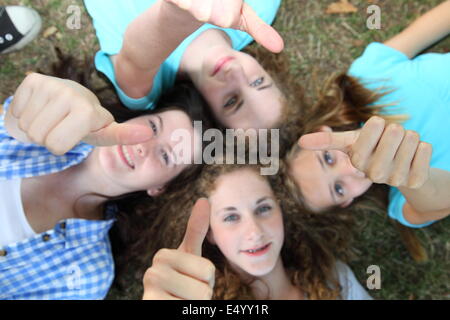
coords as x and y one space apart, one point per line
426 147
396 180
377 175
33 78
161 256
206 292
412 136
395 129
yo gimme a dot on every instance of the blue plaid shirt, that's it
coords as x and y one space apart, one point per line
72 261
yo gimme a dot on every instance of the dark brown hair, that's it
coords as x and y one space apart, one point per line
134 214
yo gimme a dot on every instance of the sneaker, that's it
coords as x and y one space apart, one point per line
18 27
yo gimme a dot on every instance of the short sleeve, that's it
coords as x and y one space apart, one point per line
111 21
395 209
377 61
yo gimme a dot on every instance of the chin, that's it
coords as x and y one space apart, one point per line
260 270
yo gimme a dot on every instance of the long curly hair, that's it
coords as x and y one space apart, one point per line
311 246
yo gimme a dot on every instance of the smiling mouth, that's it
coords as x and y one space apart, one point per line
258 251
220 64
125 156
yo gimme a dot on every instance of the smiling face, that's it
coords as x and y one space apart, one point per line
240 92
246 222
327 178
152 164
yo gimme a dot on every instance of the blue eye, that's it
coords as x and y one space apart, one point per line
257 82
339 189
231 102
328 158
263 209
231 218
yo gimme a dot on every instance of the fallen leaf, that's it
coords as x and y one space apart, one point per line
29 72
358 43
49 32
343 6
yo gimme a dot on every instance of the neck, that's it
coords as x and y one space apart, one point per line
82 185
276 285
193 57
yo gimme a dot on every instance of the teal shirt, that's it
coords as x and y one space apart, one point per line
421 90
111 18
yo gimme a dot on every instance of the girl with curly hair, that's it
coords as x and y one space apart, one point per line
331 169
249 240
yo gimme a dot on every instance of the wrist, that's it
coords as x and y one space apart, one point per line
177 16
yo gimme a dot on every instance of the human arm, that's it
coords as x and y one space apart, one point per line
166 24
58 114
425 31
392 155
183 273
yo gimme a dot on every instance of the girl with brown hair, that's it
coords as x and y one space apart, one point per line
249 240
330 169
64 165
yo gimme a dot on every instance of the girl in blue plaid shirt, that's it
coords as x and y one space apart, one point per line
54 223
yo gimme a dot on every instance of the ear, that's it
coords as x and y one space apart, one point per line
210 237
346 203
324 129
154 192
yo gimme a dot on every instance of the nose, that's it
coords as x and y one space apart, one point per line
346 168
253 230
144 149
235 72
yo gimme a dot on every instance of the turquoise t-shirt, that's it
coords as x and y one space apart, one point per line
111 18
421 91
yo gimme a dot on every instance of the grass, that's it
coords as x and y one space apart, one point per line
316 44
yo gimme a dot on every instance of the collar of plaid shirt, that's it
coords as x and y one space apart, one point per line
72 261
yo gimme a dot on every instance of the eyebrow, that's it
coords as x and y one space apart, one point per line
262 200
161 124
329 185
265 87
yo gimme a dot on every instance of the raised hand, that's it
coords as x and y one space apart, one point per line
58 114
182 273
235 14
385 153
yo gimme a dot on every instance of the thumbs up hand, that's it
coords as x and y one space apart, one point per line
58 114
235 14
385 153
182 273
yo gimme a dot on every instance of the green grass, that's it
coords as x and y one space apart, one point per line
317 44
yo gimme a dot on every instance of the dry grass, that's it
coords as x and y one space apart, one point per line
317 44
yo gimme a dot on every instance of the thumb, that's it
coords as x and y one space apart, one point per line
119 134
197 228
329 140
263 33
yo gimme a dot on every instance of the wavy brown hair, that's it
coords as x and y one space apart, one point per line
310 249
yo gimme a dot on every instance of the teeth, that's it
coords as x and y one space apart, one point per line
253 251
127 156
